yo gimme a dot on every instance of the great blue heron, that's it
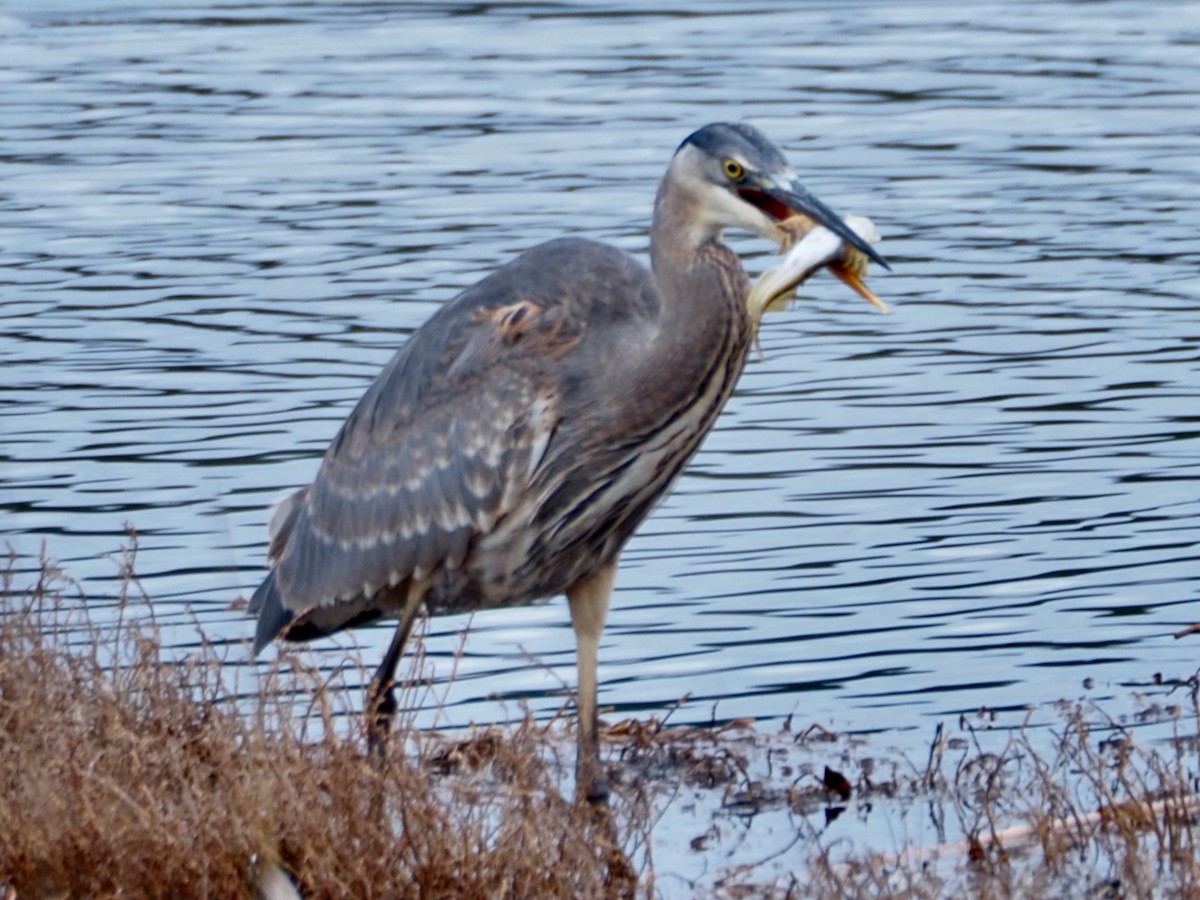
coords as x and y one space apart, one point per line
520 436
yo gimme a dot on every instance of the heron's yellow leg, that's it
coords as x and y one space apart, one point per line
589 601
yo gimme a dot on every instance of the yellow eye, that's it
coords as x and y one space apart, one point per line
734 170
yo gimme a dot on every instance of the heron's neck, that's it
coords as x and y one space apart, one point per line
692 266
703 330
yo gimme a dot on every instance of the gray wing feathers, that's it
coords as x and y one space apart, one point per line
408 507
447 439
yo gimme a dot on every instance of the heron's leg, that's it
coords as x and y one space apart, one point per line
589 601
381 698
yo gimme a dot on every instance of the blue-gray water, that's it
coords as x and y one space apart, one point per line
218 222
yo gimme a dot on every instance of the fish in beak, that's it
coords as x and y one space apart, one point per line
810 246
785 199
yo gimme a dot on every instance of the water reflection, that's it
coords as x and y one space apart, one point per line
216 228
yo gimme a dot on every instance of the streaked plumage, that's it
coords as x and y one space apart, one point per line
515 442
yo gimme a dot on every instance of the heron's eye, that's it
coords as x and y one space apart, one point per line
735 170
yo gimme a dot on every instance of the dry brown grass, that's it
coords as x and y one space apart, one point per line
1091 815
142 780
124 773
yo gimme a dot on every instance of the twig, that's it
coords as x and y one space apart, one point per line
1019 837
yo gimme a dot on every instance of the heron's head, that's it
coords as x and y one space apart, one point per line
732 176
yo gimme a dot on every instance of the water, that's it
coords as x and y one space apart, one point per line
217 223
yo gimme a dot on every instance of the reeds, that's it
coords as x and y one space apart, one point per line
124 771
1076 810
121 773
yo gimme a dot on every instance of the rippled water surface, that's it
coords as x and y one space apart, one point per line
218 222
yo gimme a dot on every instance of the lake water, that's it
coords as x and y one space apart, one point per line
218 222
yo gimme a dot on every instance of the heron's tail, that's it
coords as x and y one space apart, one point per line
272 617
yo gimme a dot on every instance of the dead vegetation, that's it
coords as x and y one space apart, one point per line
124 772
141 779
1093 815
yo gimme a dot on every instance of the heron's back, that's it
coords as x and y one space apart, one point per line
514 443
636 400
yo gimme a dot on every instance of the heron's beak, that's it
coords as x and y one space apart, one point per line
782 198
